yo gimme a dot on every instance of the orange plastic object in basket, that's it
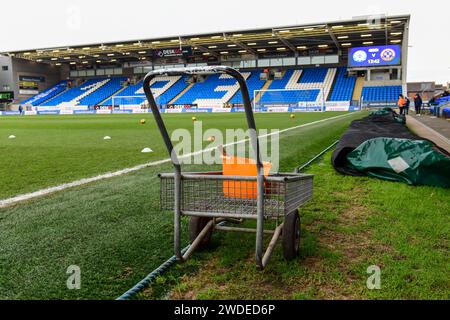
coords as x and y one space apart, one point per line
243 167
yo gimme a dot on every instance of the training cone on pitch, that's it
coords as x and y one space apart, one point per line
107 138
12 137
146 150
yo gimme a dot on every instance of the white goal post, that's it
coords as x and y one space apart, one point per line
278 100
124 102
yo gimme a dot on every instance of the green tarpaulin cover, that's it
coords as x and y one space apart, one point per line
415 162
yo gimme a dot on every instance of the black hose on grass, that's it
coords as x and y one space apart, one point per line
311 161
150 277
171 261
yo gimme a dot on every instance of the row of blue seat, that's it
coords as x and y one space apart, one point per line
316 75
133 95
206 89
343 86
111 86
381 93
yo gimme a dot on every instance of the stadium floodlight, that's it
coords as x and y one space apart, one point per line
301 99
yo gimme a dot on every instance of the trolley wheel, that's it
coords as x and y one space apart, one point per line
196 225
291 235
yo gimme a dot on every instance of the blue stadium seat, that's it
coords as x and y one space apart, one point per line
443 99
446 112
208 90
135 95
90 93
313 75
308 76
253 83
381 93
343 86
46 94
107 90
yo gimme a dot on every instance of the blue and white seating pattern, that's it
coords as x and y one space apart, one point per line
215 91
103 92
381 93
308 85
46 94
164 89
253 83
90 93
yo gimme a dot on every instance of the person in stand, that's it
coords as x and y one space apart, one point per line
418 104
401 103
407 105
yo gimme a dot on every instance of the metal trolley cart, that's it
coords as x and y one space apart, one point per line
210 198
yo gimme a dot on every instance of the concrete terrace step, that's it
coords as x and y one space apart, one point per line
357 91
181 93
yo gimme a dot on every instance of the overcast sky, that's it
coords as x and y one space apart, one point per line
34 24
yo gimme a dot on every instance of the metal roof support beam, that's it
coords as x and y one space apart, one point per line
285 42
240 44
199 47
206 50
332 36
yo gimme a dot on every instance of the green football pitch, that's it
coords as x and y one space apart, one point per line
50 150
116 233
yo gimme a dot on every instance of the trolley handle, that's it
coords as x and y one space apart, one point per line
202 70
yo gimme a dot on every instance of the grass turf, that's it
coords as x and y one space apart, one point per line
50 150
112 229
351 224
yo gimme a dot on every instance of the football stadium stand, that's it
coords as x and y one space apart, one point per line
254 83
164 88
381 93
46 94
300 86
214 91
343 86
294 87
90 93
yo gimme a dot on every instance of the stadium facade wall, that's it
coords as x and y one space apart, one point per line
6 78
20 67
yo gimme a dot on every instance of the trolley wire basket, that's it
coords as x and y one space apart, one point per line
242 190
235 195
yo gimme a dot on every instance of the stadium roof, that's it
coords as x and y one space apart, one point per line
288 40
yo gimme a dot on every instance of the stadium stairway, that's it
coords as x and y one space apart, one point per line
115 93
181 93
254 83
164 88
264 87
357 92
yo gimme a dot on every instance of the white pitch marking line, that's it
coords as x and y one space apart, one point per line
43 192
